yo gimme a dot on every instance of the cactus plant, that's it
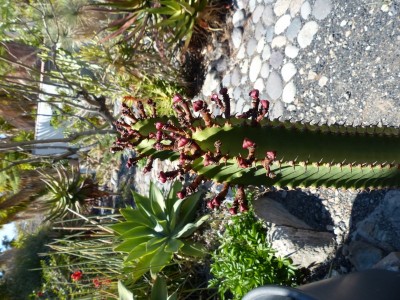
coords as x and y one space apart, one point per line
250 149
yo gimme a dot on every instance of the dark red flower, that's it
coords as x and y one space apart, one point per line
223 91
243 207
159 135
207 160
248 143
210 205
96 282
159 125
271 155
198 105
216 202
77 275
214 97
265 104
181 194
182 142
254 94
177 98
162 177
233 210
40 294
242 162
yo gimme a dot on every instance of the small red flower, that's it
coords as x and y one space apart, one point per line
198 105
214 97
265 104
248 143
254 94
216 202
233 210
159 125
162 177
177 98
182 142
271 155
210 205
77 275
243 207
40 294
96 282
181 194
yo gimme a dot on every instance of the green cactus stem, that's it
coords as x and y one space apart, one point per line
250 149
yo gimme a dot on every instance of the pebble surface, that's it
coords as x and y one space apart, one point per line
320 61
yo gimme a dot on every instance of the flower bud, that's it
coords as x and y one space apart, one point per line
162 177
254 94
248 143
159 125
181 194
198 105
177 98
233 210
271 155
182 142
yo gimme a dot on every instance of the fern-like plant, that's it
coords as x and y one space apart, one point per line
157 229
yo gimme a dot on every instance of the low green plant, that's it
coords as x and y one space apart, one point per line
157 229
245 260
69 191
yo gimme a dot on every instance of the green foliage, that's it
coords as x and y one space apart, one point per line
245 260
69 191
173 20
157 229
25 274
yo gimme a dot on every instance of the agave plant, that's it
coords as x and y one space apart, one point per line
250 149
175 20
69 191
157 229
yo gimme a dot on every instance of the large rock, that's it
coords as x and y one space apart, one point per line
382 227
292 237
391 262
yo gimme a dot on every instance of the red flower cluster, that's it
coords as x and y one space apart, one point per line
99 282
76 276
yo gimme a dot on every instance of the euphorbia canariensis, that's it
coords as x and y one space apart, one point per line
281 154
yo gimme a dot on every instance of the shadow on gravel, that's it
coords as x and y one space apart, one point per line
306 207
363 205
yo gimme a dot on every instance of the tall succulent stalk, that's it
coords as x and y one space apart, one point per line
250 149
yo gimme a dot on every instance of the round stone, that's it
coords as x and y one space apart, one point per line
237 92
226 81
276 59
242 52
266 54
321 9
279 41
259 32
239 18
255 68
264 70
291 51
268 16
281 7
211 83
293 29
269 34
259 85
295 6
306 34
288 71
239 105
257 13
305 10
289 92
274 85
237 34
245 66
282 23
251 46
260 45
235 77
276 110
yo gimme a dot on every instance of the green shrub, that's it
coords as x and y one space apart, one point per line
245 260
